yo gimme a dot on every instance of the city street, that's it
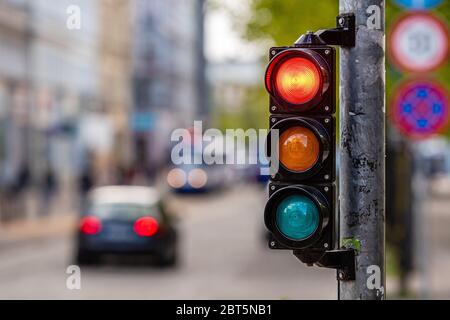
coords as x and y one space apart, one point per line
224 256
156 149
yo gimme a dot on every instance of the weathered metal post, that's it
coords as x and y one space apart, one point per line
362 156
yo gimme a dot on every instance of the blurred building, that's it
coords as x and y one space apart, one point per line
65 93
116 75
64 83
74 97
168 74
14 76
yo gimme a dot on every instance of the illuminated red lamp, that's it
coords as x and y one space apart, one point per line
90 225
146 227
297 78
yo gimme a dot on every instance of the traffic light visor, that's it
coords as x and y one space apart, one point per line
299 149
297 217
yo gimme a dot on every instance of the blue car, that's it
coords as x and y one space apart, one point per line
199 178
126 220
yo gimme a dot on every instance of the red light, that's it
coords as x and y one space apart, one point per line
90 225
146 227
297 80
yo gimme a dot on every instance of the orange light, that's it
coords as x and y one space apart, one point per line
299 149
298 80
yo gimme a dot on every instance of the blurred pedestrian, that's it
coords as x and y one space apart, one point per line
49 187
86 178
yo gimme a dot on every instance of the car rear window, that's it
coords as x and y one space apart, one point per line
124 211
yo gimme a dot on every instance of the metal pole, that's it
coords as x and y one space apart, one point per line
422 245
362 156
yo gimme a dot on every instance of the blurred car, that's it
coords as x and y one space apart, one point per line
192 178
255 171
259 177
126 220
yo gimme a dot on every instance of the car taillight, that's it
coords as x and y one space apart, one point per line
146 227
90 225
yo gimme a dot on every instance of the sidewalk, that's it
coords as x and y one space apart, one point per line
25 230
60 219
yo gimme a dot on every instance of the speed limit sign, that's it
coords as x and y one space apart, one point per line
419 42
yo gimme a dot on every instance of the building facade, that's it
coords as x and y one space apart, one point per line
96 95
65 92
168 73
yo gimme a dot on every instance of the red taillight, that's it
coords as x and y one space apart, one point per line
146 227
90 225
297 80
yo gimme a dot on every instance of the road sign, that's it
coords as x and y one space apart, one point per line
419 42
420 109
418 4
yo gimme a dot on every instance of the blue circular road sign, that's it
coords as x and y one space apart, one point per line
420 109
418 4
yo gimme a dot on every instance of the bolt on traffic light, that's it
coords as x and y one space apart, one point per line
300 212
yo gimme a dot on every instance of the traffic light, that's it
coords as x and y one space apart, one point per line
300 212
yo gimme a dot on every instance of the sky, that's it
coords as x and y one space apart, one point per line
222 42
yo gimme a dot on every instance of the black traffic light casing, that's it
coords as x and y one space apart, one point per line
324 126
302 212
324 239
324 55
317 115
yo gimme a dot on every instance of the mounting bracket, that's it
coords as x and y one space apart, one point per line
342 259
343 35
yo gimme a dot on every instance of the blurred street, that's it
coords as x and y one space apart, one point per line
224 256
437 247
140 128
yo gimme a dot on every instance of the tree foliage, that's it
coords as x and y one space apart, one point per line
283 21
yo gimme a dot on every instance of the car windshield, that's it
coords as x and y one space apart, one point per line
124 211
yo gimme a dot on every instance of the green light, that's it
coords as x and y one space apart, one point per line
297 217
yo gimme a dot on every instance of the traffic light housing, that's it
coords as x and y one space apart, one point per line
300 217
301 79
312 161
300 212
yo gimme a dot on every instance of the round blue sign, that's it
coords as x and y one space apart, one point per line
420 109
418 4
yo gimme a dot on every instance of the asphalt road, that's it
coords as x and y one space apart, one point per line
223 256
